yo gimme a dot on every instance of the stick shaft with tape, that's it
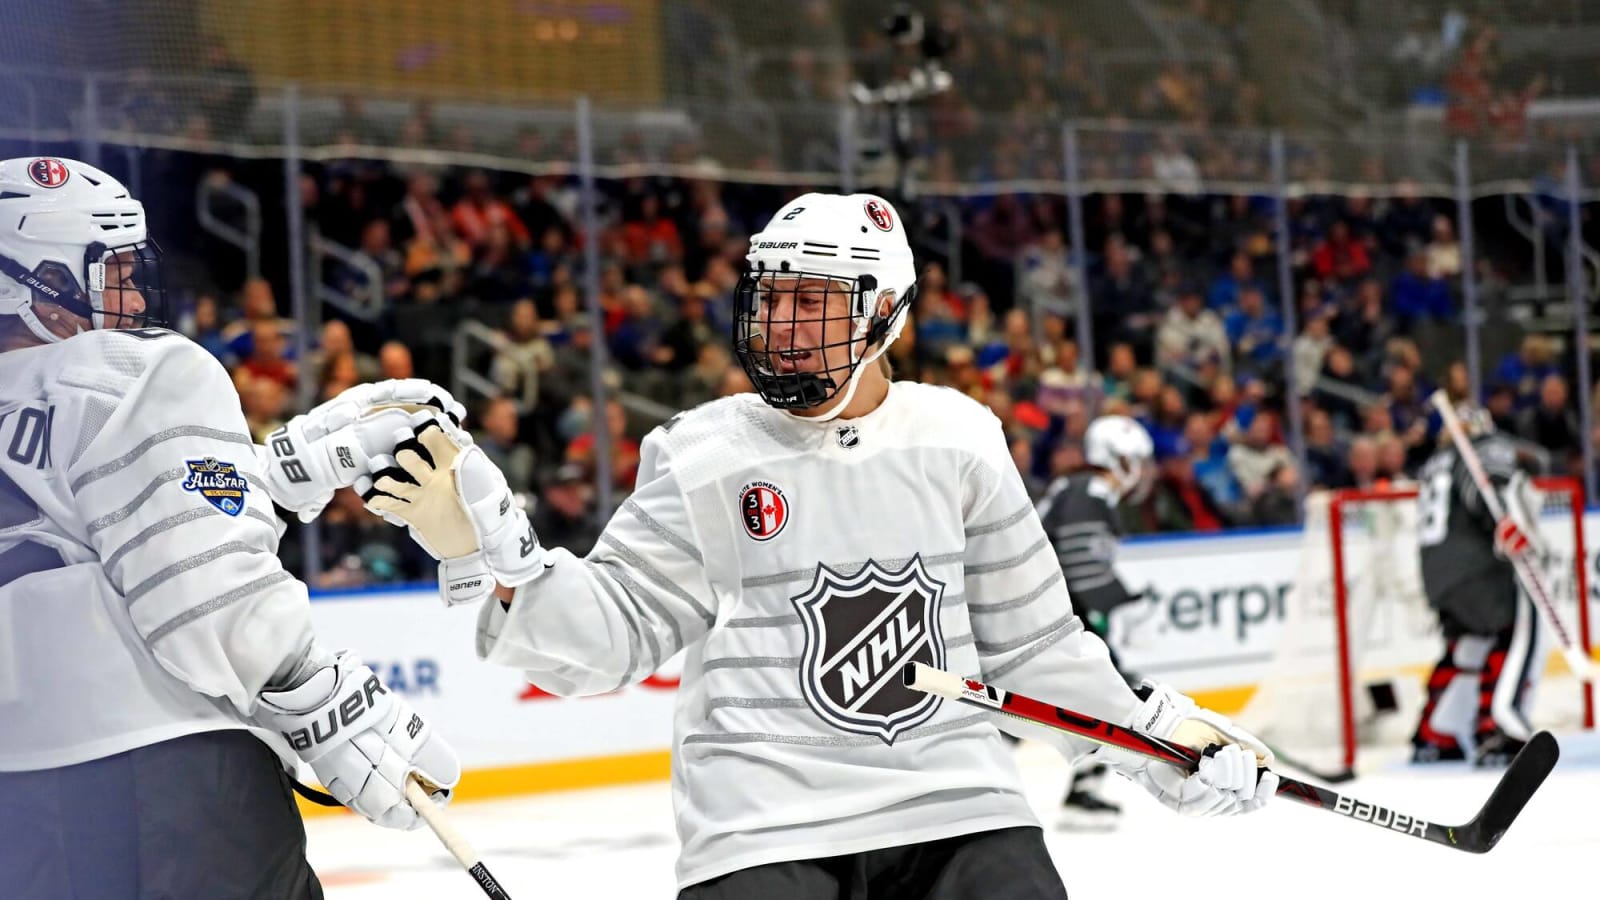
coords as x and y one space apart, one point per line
453 840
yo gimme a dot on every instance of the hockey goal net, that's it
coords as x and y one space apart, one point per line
1358 638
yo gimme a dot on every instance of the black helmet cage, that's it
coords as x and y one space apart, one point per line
52 282
756 297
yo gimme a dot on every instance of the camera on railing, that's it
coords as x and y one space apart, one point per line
908 28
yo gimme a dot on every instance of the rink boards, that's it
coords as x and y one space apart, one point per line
1210 614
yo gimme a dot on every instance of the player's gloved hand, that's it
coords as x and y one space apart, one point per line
362 740
458 507
1510 541
325 449
1229 780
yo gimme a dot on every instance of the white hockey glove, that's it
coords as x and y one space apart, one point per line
1227 781
362 740
1517 533
459 508
323 450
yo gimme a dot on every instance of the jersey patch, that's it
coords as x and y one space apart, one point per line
849 436
860 633
763 509
218 482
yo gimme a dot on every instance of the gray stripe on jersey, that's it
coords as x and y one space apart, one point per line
951 599
184 565
170 522
865 740
960 641
755 703
216 603
845 569
662 531
638 592
117 515
1090 582
751 662
985 609
143 447
1003 524
991 647
660 580
762 621
1012 563
1073 626
1087 529
264 518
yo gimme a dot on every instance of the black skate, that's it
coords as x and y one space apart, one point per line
1087 811
1496 751
1430 752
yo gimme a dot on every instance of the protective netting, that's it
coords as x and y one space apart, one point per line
1392 635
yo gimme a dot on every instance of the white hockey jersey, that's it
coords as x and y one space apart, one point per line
141 596
803 564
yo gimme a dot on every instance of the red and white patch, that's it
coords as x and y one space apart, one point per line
878 212
763 509
48 172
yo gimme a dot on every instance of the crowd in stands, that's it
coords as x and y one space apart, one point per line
1188 330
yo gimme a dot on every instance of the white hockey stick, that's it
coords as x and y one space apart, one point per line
453 840
1577 658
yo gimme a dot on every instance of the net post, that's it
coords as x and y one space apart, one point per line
1342 626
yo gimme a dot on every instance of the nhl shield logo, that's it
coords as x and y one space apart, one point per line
861 630
849 436
220 483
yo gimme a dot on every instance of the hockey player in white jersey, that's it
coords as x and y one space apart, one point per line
802 544
153 652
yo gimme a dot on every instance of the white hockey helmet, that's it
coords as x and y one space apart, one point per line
854 241
60 221
1121 446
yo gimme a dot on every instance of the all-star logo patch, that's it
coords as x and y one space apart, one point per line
849 436
861 630
763 509
218 482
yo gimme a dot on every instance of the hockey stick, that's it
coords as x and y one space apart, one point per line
453 840
1577 658
1510 795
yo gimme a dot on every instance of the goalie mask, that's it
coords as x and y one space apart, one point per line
830 281
75 252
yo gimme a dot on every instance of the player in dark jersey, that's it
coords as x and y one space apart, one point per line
1480 688
1079 512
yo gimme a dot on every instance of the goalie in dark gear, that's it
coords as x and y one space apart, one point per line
1482 686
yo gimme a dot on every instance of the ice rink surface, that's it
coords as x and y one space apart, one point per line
619 843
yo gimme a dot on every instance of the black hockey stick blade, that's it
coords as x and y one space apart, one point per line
1526 772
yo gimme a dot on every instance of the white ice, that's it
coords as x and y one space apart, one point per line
619 843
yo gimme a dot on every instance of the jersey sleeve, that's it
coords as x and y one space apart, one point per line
174 508
1084 538
1026 633
595 624
1499 459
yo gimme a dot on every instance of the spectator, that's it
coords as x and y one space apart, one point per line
651 240
1363 464
624 449
337 342
565 515
1417 295
267 356
1255 460
1225 290
1121 366
1209 455
1279 501
1191 335
497 435
1048 280
1340 257
478 213
394 361
258 304
522 356
1444 251
1180 503
204 326
1123 305
1524 372
264 401
1551 423
1325 457
1367 327
1256 334
636 341
1310 349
